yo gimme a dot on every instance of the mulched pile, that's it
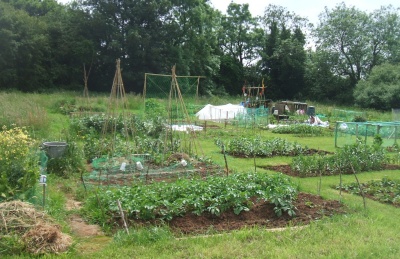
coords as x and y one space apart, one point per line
37 230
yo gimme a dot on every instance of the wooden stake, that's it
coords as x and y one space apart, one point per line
359 186
122 216
226 162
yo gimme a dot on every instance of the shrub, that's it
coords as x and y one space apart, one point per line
153 108
18 163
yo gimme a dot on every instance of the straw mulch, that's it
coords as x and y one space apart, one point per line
36 229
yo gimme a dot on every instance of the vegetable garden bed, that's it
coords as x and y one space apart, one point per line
288 170
212 204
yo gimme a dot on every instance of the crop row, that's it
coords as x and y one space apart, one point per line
246 147
385 190
357 157
300 130
161 200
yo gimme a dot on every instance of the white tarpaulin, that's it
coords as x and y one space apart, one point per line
220 112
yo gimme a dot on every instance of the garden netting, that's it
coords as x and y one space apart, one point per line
142 167
370 132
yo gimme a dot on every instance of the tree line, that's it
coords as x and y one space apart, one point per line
45 45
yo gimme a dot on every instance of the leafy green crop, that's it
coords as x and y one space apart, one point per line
300 130
359 156
385 190
214 195
246 147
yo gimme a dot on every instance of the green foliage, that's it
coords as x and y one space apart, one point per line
378 141
358 156
346 33
149 126
71 162
300 130
65 106
323 85
144 135
18 163
384 190
381 90
23 47
246 147
154 108
283 53
213 195
359 118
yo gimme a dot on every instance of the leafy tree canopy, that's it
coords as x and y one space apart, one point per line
381 90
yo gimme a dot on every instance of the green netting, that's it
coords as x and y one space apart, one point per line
111 171
347 132
43 162
116 170
159 86
254 117
346 115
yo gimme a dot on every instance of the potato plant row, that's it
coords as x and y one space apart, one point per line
358 157
249 147
162 200
384 190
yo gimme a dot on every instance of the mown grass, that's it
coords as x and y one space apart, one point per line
369 233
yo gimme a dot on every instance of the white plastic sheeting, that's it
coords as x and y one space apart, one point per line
186 128
220 113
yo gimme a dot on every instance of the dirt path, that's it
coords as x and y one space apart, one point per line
78 225
90 238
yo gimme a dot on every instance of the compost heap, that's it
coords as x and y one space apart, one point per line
37 230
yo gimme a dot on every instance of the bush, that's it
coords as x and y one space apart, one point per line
18 163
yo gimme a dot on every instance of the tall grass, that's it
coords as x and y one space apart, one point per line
20 110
